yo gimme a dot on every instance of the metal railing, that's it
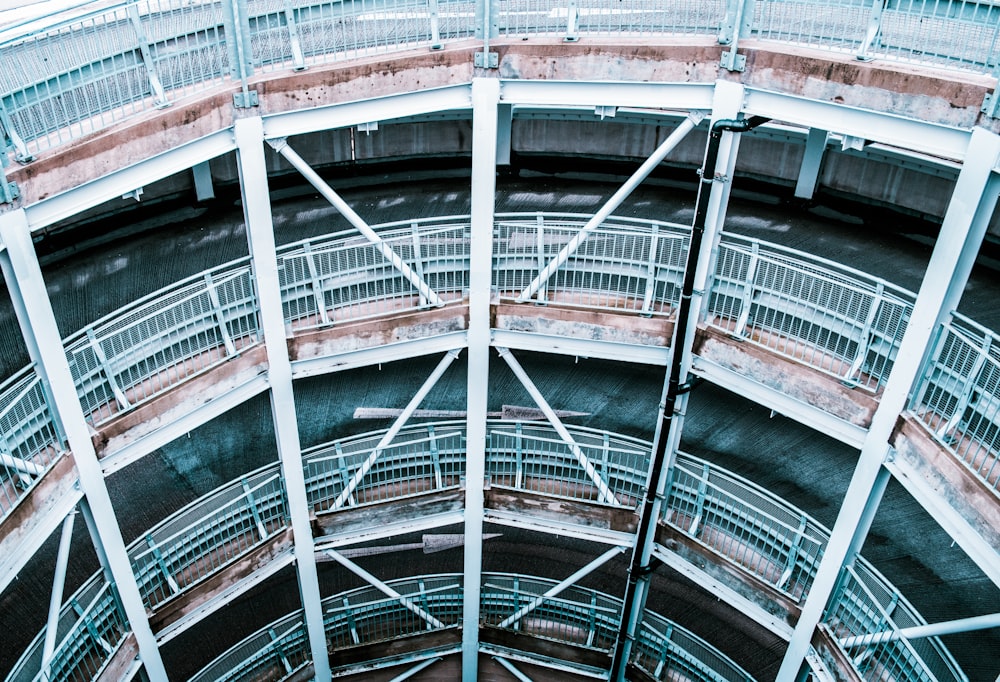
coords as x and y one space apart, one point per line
958 396
865 605
746 525
532 458
78 71
576 616
29 443
344 277
625 264
830 317
210 533
666 651
91 627
136 353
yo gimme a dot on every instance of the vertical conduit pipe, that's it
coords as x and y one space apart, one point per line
640 569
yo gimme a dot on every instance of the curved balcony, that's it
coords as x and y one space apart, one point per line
239 532
578 618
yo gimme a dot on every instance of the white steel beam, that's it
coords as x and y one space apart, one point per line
512 669
956 238
58 583
485 101
585 348
367 357
260 234
559 587
383 588
677 96
891 129
312 177
648 166
350 114
25 282
950 627
415 669
359 475
123 181
606 495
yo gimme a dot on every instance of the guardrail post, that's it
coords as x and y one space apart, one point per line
162 565
147 57
108 370
220 319
737 24
432 5
487 27
873 35
298 60
236 20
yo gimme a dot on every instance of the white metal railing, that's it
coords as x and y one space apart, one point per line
80 70
577 616
958 396
866 604
29 442
830 317
746 525
138 352
91 627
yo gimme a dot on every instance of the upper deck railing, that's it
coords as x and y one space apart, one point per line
77 71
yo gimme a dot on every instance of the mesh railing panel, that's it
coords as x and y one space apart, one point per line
29 444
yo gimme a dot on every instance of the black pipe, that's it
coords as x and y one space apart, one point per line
675 387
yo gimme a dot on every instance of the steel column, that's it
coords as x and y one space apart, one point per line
956 239
716 175
313 178
485 100
38 324
399 423
260 235
812 160
647 167
606 495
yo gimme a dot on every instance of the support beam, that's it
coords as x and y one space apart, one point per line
204 188
606 495
400 422
812 161
562 585
710 208
383 588
38 325
647 167
260 234
485 100
55 599
313 178
950 627
956 240
415 669
511 669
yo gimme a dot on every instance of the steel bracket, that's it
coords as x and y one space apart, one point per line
11 192
991 104
486 60
731 61
245 100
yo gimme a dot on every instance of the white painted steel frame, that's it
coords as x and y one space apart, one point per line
25 282
955 241
260 234
485 130
926 138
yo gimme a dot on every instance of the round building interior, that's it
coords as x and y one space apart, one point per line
500 340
